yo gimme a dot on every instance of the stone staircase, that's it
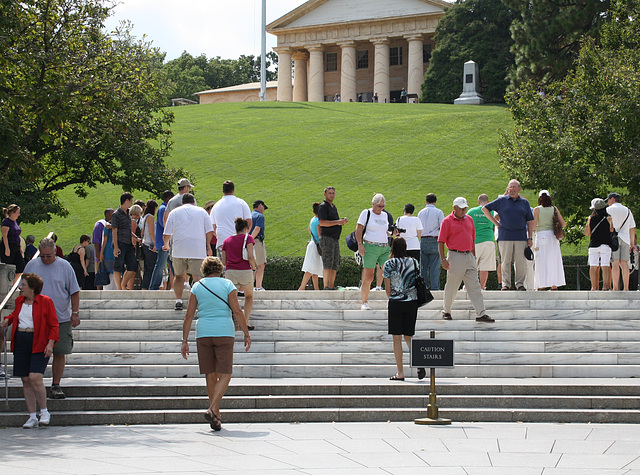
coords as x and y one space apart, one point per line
316 357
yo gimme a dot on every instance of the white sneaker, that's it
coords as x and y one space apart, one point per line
31 423
45 418
258 289
365 306
378 289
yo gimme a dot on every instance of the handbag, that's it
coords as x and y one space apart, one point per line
352 242
615 243
318 248
557 227
424 295
102 276
245 251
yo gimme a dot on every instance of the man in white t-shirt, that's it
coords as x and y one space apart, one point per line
192 232
372 234
413 226
625 225
225 212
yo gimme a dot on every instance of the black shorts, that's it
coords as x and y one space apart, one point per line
126 260
402 317
15 256
24 361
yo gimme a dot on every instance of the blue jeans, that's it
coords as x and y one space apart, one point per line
430 262
158 269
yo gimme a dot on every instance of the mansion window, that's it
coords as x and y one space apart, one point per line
362 61
395 56
426 53
331 62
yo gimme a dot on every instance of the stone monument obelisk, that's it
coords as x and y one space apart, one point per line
470 85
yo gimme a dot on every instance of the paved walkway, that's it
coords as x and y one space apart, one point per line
326 448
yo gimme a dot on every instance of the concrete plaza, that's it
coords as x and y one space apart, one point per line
326 448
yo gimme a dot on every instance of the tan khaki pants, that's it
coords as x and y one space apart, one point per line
463 268
512 252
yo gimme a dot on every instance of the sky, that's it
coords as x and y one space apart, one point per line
225 28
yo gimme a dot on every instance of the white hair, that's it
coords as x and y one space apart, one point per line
378 199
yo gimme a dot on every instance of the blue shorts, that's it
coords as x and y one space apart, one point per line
127 259
24 360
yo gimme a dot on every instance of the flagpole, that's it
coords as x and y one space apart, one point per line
263 54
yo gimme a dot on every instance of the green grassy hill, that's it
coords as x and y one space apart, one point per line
286 153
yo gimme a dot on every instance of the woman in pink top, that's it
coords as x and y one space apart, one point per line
238 269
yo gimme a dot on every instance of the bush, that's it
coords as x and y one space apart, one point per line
283 273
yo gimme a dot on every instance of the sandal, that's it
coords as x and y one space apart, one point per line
396 378
217 423
210 419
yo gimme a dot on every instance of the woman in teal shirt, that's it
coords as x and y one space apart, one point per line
216 299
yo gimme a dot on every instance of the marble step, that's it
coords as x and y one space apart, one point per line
356 325
293 415
367 347
311 359
354 371
442 331
129 403
372 315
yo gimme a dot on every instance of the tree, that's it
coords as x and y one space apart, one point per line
582 139
547 36
475 30
188 74
78 106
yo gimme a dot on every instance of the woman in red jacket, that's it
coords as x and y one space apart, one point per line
35 330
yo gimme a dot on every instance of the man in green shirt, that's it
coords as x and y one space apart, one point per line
485 244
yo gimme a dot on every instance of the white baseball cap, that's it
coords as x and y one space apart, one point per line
460 202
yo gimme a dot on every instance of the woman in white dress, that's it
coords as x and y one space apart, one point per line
549 272
312 265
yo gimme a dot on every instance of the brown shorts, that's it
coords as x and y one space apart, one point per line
215 354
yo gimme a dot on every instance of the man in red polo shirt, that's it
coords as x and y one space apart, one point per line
458 233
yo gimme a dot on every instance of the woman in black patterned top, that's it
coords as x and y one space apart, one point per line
400 284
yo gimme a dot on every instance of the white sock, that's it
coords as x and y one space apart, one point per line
44 411
32 415
178 300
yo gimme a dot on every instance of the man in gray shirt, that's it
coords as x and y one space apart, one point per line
61 286
431 219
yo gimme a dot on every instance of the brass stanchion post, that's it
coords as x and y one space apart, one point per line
432 408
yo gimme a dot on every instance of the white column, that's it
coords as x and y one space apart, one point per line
381 69
416 70
284 74
348 72
300 76
316 73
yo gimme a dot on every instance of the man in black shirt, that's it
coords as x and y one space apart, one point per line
123 249
330 229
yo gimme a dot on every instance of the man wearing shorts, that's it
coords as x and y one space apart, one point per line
625 226
372 234
257 233
123 248
191 229
485 244
457 233
61 286
330 230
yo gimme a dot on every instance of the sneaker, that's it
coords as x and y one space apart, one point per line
365 306
45 418
446 316
31 423
240 293
485 319
378 289
3 375
178 306
259 289
56 392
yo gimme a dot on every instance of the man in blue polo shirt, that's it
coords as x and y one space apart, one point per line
514 232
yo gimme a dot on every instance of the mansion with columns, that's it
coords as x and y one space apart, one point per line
354 48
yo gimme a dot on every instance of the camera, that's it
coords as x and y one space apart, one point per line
393 228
